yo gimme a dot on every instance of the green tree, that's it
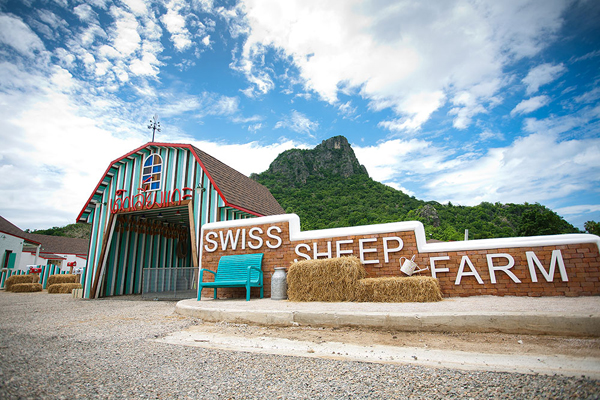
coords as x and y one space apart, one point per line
592 227
541 221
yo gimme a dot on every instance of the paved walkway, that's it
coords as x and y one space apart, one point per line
565 316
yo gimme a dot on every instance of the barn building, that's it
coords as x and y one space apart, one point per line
147 212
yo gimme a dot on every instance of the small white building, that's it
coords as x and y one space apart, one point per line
19 250
12 241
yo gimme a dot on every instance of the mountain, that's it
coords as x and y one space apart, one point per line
328 188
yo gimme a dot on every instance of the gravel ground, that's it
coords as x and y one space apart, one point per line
55 347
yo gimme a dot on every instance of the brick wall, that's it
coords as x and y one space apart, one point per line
581 260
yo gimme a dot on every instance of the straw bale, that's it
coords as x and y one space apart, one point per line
26 287
63 287
332 279
61 278
421 289
16 279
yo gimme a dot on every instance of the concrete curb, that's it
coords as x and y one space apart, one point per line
505 322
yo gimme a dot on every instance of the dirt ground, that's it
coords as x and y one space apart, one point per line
491 343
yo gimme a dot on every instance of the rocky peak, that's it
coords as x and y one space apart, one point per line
333 156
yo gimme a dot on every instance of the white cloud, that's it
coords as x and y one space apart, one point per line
138 7
298 122
85 12
247 158
126 38
14 33
542 75
545 166
205 104
394 161
401 55
46 149
588 97
536 168
255 127
579 209
488 135
530 105
175 24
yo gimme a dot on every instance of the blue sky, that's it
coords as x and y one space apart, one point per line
453 100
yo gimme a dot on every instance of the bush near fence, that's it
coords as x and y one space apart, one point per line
343 279
420 289
17 279
61 278
26 287
63 287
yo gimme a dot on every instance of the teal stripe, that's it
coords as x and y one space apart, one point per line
121 266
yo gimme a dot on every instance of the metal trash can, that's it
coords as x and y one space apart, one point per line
279 284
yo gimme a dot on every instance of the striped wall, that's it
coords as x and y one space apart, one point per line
48 270
130 252
7 273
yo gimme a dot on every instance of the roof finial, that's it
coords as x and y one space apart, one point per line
154 125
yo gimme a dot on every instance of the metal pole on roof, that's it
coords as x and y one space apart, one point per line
154 125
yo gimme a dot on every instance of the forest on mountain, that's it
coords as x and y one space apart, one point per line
328 188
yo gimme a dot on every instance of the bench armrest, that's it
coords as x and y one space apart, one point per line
207 270
259 269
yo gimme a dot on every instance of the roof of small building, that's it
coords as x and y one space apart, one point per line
50 244
61 244
7 227
236 189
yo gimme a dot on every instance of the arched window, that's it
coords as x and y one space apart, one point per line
152 172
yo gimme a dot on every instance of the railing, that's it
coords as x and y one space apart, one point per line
169 283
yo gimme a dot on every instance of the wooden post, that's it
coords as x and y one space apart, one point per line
103 256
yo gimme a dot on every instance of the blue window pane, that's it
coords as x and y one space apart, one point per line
156 168
154 186
148 162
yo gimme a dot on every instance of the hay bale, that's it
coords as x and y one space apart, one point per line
26 287
332 279
61 278
421 289
17 279
63 287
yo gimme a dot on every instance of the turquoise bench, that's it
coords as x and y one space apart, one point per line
235 271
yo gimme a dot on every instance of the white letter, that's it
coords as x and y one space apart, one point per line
461 273
307 247
556 256
257 238
279 241
244 239
505 268
338 247
229 238
386 250
209 240
435 270
327 254
362 250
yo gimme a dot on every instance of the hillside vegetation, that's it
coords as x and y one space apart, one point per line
328 188
78 231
